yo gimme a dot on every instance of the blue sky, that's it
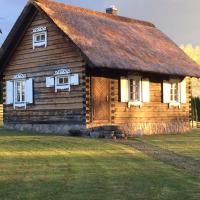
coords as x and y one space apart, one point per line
179 19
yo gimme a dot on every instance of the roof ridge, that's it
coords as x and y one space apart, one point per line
97 13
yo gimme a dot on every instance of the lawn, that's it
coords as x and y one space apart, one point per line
36 167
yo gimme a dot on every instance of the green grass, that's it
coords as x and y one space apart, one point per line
185 144
56 167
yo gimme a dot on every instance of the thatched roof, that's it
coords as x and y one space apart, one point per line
117 42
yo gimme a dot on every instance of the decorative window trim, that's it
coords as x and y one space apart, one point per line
12 89
62 71
53 81
39 31
19 76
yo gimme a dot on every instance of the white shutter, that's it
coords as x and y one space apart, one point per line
74 79
166 92
183 92
29 90
50 82
145 90
9 92
124 89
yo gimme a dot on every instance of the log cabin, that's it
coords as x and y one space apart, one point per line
66 68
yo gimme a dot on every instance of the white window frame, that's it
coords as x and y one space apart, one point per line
62 73
19 78
177 102
12 92
21 92
63 77
131 101
39 31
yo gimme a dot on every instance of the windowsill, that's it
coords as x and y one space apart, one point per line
20 104
63 87
60 85
39 45
135 104
174 104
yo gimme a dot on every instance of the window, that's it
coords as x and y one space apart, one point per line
62 83
40 37
39 40
19 91
134 89
174 92
63 80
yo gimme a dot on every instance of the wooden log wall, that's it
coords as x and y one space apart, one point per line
154 117
49 107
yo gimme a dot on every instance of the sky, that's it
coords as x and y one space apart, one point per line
179 19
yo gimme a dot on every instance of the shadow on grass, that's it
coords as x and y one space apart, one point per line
56 167
87 177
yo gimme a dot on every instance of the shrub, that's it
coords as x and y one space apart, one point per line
75 132
1 91
196 108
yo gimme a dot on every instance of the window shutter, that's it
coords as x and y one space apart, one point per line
74 79
183 92
124 89
29 91
9 92
145 90
50 82
166 92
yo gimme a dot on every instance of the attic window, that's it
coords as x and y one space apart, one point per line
40 37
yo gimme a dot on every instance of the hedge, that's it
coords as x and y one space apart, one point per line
195 108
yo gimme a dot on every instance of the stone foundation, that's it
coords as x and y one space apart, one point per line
61 129
129 129
156 128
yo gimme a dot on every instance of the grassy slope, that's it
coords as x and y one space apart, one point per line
50 167
185 144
